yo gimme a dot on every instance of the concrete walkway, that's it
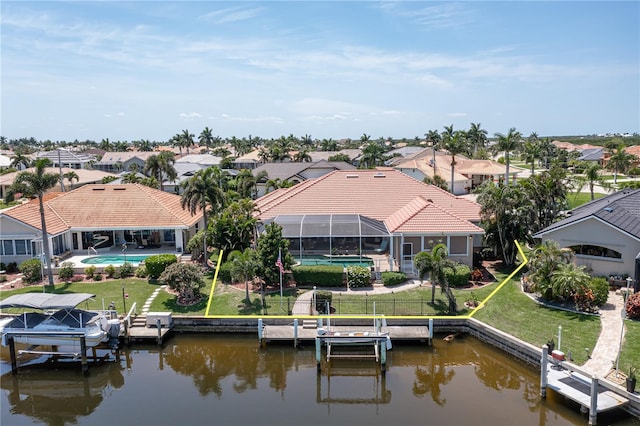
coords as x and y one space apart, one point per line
605 354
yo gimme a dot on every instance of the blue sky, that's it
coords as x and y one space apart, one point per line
331 69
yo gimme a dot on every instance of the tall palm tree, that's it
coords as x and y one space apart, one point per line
302 156
202 192
161 165
373 154
507 144
620 161
206 138
434 140
187 139
455 143
477 136
543 261
592 176
532 151
36 184
20 160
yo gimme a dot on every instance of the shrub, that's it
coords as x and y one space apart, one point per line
185 278
476 275
633 306
110 270
89 271
584 299
393 278
126 270
322 297
318 275
77 278
600 288
12 268
3 278
141 271
158 263
97 277
3 267
31 271
224 273
457 275
358 277
65 272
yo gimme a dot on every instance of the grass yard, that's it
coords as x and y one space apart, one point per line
578 199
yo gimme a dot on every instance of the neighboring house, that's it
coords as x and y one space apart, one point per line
61 157
185 171
248 161
373 212
116 162
200 159
468 173
85 177
353 154
604 234
296 172
400 154
102 217
634 150
594 155
5 162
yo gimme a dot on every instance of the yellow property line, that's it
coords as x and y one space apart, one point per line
480 305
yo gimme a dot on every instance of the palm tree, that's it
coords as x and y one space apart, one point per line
131 177
203 192
532 151
160 165
71 176
543 261
433 263
206 138
620 161
37 183
302 156
434 140
187 139
20 160
372 155
567 279
244 266
507 144
277 183
477 136
592 176
455 143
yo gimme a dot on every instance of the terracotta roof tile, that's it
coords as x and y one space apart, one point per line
378 194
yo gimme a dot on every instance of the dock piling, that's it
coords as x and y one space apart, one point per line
260 333
83 349
295 333
12 354
593 406
543 371
430 331
318 354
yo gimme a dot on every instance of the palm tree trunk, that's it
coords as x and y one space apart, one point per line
506 175
45 240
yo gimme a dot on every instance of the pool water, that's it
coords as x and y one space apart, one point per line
116 259
336 260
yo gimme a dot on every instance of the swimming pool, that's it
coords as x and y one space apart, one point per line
336 260
114 259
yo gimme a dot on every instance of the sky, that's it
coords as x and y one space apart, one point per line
330 69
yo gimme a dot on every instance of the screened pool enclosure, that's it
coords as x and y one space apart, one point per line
333 234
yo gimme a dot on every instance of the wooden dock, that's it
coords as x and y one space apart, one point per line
308 334
577 387
146 328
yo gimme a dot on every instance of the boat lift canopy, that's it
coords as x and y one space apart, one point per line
45 301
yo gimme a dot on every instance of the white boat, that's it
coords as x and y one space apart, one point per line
55 321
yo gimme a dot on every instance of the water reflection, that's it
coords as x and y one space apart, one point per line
460 382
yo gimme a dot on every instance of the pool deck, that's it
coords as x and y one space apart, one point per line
77 258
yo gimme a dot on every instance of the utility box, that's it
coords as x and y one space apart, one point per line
165 319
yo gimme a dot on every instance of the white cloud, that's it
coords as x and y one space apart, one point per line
189 115
231 14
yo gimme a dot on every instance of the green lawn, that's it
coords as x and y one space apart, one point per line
578 199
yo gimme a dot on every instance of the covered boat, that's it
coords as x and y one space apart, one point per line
54 320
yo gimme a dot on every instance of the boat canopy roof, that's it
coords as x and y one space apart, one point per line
45 300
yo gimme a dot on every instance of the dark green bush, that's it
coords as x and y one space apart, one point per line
12 268
358 277
158 263
31 271
600 288
393 278
97 277
65 272
224 273
318 275
458 276
322 297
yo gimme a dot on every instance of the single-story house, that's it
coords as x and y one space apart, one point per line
115 162
296 172
61 157
99 218
604 234
377 211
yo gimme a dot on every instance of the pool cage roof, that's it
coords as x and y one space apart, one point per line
329 225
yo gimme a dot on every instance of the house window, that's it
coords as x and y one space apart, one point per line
597 251
21 247
458 245
7 248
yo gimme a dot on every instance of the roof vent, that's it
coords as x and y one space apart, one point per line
352 176
98 189
608 209
379 175
119 188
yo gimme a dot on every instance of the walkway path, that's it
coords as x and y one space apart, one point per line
605 354
147 304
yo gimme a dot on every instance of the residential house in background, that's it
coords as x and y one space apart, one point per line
116 162
61 157
85 176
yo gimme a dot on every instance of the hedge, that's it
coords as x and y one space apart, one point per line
318 275
158 263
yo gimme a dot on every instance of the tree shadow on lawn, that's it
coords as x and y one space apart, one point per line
171 305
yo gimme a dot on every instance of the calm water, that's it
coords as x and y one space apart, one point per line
115 259
213 379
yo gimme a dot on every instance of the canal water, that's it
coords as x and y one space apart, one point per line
230 380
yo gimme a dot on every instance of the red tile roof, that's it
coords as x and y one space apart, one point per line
120 206
385 194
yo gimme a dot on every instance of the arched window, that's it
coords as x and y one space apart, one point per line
597 251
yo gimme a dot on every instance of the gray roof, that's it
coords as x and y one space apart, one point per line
592 154
621 210
291 169
45 300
